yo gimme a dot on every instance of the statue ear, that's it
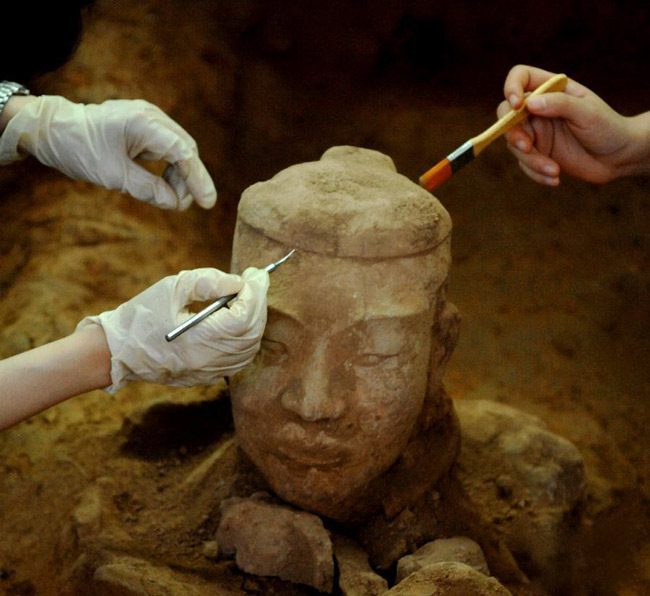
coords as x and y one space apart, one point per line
443 341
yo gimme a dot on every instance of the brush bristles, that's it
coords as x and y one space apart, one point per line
436 175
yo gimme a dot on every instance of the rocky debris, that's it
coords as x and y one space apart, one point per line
522 478
211 550
460 549
356 577
448 578
275 540
95 520
609 473
129 576
387 540
447 511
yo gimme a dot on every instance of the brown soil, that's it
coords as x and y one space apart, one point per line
553 285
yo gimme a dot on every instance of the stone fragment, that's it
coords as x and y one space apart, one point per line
459 549
95 521
448 578
609 473
129 576
356 577
211 550
274 540
522 478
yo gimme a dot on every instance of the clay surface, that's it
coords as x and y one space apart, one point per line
348 379
270 539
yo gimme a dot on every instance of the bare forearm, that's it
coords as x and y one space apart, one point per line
13 105
38 379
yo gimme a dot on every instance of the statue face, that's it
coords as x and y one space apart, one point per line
334 394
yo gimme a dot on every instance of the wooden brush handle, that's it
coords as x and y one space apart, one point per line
503 125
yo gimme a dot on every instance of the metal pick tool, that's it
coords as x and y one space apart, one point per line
217 304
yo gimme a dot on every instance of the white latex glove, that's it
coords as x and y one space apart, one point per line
98 143
220 345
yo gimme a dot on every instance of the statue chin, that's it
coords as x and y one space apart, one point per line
352 494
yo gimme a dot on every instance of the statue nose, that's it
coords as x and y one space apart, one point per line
310 397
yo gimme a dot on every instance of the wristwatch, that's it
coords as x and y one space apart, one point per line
7 89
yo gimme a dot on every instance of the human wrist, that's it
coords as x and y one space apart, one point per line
97 355
636 159
13 106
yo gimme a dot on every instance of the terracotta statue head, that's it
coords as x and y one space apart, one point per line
343 409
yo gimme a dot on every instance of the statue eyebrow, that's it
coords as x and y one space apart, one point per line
293 318
281 314
383 318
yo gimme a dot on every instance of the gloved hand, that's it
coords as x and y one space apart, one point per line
220 345
98 143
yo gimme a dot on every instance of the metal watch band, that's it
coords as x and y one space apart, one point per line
7 89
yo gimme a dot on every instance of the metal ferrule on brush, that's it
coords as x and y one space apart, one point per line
461 156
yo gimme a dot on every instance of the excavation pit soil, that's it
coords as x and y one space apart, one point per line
553 284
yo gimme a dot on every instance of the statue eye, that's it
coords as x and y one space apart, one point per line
273 351
371 359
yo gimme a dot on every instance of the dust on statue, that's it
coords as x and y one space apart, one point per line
342 420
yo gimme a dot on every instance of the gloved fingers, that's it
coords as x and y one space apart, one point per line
257 276
198 180
157 140
205 284
163 139
246 316
189 166
149 188
201 356
155 114
140 115
174 179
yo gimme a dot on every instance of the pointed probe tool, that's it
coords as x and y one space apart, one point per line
218 304
470 149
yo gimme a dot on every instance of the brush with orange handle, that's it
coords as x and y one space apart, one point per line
470 149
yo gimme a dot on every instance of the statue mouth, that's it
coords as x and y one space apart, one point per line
314 449
314 459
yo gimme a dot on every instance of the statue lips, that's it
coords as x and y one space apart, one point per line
310 449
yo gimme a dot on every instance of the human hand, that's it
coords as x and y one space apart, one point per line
220 345
99 143
574 132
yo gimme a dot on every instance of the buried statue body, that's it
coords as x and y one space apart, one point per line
343 416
